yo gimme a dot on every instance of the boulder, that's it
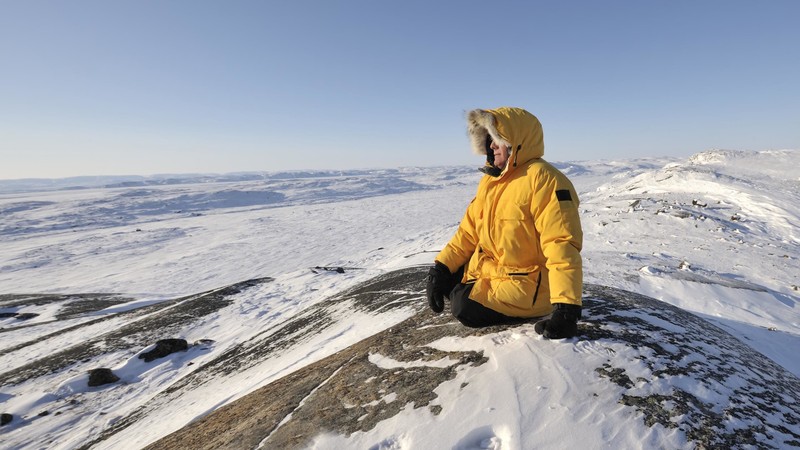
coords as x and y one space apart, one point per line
101 376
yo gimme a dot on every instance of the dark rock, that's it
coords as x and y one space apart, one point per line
165 347
99 377
5 419
26 316
18 316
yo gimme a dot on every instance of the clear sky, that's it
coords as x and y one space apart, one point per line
144 87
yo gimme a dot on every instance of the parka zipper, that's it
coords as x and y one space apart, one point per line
536 292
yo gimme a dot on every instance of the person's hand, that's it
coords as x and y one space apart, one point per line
438 281
563 323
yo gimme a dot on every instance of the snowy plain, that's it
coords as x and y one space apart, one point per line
717 234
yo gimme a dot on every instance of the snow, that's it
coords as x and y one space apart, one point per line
716 234
526 394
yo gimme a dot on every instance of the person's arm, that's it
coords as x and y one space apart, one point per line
464 242
555 210
454 255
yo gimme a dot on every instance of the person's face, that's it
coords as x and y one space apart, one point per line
500 154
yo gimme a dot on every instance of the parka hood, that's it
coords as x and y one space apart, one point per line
520 130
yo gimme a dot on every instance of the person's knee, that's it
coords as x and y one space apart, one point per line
468 323
459 304
462 315
469 312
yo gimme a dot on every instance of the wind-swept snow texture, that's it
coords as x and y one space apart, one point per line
91 276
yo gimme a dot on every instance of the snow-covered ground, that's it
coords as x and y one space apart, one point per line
717 234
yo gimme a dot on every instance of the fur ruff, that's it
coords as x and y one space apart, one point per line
481 123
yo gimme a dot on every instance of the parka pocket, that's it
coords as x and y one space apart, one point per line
516 288
514 237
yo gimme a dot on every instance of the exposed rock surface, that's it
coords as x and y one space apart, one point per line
142 327
756 403
400 289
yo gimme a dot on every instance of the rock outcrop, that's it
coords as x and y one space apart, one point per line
756 403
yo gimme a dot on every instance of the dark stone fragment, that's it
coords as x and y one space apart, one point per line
26 316
99 377
165 347
5 419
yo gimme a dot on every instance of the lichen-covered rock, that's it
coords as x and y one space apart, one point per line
750 401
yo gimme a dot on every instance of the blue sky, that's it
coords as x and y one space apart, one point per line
145 87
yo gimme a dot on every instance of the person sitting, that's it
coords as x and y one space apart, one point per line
516 253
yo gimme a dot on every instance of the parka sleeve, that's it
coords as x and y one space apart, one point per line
463 244
555 212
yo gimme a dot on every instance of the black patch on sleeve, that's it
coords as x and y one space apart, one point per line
563 195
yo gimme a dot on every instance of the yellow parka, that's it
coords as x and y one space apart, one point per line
521 236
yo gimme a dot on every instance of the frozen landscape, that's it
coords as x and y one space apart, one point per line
93 271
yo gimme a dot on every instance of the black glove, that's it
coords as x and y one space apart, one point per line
563 323
439 281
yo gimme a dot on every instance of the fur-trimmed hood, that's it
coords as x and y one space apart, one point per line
520 130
